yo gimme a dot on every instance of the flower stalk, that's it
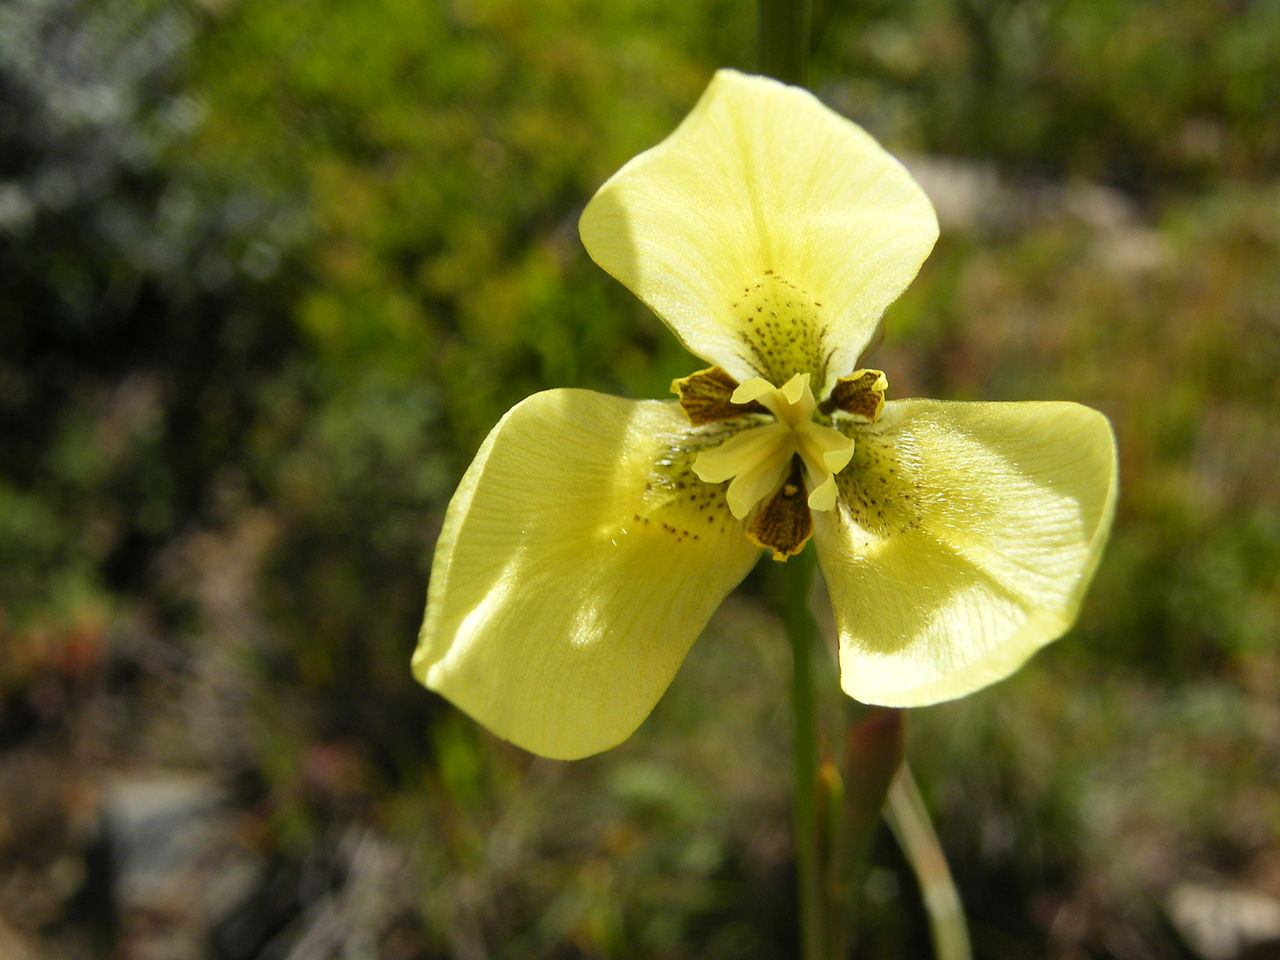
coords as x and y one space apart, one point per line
802 634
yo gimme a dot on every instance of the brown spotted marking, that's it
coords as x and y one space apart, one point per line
782 330
675 501
881 494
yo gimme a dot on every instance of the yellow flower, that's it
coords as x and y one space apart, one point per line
592 537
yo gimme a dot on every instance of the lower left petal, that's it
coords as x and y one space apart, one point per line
579 560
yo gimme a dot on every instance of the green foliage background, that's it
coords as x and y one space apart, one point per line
269 272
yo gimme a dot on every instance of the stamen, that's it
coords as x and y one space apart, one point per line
759 458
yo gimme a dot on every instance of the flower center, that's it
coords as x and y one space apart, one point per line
760 458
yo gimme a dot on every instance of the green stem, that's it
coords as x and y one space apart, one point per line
802 632
784 39
909 820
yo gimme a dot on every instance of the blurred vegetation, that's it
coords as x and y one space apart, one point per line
270 271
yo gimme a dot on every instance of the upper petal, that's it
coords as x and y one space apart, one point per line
764 200
965 536
578 562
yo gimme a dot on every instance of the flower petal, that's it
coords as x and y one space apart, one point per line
764 201
963 541
578 562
